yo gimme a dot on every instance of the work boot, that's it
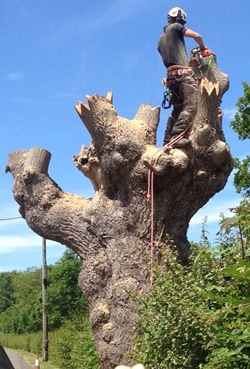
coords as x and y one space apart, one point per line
183 142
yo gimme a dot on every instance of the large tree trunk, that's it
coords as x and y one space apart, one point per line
117 232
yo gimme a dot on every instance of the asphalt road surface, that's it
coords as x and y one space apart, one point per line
17 360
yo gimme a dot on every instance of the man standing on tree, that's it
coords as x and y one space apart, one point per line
180 80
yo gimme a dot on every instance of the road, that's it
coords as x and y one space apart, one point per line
17 360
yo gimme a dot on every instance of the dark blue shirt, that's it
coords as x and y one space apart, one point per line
172 46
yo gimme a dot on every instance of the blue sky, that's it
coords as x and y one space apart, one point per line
54 53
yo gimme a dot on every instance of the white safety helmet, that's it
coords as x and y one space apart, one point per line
177 15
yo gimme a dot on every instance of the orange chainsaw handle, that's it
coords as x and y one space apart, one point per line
206 52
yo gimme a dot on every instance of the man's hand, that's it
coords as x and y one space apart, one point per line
164 81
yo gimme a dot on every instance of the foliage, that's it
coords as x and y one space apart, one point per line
199 316
242 176
173 330
6 290
70 347
241 125
24 313
230 325
30 342
21 298
235 231
63 294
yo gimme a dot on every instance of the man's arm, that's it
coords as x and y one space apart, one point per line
196 37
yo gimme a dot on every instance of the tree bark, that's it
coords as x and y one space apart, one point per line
117 232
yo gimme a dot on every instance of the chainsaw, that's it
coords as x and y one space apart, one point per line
201 58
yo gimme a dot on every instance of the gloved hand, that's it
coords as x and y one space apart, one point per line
164 81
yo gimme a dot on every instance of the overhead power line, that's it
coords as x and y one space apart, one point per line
11 218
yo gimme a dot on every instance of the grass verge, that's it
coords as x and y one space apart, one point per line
30 357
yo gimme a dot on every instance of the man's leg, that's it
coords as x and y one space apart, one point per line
186 110
168 132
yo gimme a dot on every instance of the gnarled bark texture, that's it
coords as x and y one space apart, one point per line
112 232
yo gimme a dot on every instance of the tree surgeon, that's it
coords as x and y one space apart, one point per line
180 80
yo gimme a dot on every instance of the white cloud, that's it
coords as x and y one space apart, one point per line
115 12
25 257
220 204
9 211
213 209
13 76
229 113
10 223
11 243
119 11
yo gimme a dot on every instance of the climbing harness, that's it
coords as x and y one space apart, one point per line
174 78
150 193
179 71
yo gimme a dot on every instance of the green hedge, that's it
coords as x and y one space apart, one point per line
70 347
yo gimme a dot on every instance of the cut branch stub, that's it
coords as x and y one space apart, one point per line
16 162
104 124
88 163
33 160
97 116
37 160
117 142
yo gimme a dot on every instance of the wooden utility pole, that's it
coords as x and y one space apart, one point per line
44 287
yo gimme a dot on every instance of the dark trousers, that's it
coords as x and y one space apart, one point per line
184 100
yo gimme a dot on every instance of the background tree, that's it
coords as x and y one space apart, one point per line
230 324
63 294
21 296
6 290
25 311
241 125
116 231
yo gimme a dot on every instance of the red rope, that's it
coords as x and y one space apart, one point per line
152 229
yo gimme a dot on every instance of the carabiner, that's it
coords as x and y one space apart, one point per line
166 102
